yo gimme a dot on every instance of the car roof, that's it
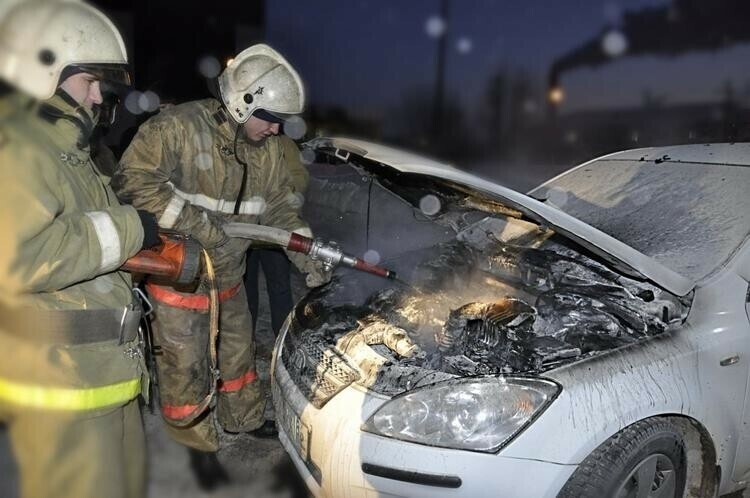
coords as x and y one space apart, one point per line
620 255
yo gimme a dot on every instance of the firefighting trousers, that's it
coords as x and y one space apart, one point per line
181 339
69 454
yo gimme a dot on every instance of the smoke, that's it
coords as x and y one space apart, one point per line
670 30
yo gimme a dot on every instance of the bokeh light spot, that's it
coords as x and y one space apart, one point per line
307 156
614 43
371 256
295 128
204 161
149 101
557 196
464 45
430 205
132 102
209 66
435 26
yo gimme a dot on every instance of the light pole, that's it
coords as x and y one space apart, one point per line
439 95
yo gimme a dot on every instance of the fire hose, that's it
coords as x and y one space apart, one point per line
329 254
177 260
213 336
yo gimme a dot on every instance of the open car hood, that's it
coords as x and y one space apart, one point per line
618 254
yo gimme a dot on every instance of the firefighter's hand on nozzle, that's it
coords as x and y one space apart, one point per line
150 229
317 274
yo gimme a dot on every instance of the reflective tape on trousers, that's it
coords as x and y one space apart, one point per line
232 385
54 398
196 302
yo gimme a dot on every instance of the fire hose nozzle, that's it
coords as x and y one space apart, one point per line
331 255
328 253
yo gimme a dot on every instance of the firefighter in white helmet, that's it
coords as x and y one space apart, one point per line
72 368
196 166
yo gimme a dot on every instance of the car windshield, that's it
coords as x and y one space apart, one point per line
688 216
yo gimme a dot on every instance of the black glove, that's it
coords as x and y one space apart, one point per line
150 229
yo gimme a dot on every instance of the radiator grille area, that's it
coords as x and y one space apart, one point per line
319 371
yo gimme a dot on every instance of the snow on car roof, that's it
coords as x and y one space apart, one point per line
685 206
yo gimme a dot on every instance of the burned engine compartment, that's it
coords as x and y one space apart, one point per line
503 296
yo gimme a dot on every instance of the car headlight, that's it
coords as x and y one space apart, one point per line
478 414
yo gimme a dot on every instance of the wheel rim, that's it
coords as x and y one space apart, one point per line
652 477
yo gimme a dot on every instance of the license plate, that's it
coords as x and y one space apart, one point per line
296 430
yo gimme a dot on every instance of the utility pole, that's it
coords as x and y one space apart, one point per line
439 95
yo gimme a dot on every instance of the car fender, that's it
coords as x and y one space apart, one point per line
678 372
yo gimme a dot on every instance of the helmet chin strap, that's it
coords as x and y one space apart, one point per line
241 193
84 120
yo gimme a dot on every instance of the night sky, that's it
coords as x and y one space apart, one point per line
370 70
365 54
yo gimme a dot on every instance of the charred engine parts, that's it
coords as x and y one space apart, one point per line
485 325
357 346
501 309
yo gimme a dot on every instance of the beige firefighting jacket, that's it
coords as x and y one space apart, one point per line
64 234
63 230
181 166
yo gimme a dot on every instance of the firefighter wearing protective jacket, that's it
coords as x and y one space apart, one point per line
197 166
72 367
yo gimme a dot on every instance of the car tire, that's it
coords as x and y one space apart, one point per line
649 453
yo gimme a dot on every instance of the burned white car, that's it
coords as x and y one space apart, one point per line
590 339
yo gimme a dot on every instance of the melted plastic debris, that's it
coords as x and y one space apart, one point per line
499 309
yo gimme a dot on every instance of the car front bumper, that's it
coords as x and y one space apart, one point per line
329 450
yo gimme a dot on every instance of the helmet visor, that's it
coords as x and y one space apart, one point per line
271 117
116 77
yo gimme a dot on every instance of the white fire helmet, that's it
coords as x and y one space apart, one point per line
40 38
260 79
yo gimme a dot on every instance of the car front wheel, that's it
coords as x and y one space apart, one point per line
644 460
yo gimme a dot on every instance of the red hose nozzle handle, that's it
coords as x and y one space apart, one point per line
374 269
